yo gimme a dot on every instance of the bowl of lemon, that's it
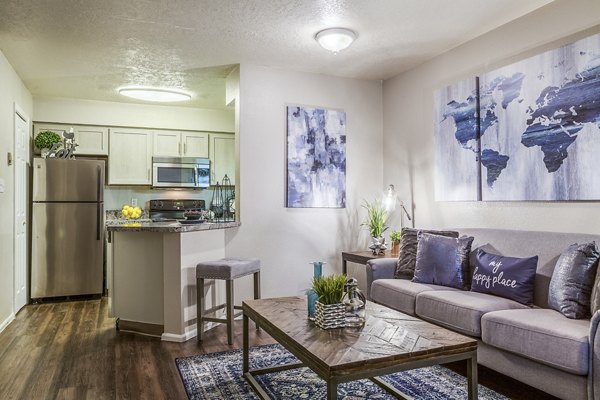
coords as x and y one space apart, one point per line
129 212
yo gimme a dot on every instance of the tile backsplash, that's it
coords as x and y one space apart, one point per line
116 196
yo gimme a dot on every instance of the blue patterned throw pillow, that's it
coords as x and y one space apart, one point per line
507 277
443 260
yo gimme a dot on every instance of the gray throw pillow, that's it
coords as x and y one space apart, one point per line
443 261
572 280
595 302
407 259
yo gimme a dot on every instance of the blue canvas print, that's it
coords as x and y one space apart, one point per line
316 157
456 142
540 126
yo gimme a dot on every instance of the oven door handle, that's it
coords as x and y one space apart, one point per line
196 176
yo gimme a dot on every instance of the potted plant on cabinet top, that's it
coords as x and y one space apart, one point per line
376 222
395 238
330 311
45 140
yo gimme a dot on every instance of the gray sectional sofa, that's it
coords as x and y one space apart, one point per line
537 346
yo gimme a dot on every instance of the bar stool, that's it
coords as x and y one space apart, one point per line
226 269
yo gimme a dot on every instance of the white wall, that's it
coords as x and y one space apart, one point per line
12 90
408 123
286 240
93 112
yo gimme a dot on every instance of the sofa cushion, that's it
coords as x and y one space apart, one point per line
542 335
405 268
509 277
443 261
573 280
400 294
459 310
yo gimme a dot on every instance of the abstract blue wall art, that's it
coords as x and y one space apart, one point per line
456 141
316 157
540 126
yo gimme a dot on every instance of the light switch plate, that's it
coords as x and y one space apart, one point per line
1 185
134 202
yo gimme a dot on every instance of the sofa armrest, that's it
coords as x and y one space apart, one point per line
379 268
594 368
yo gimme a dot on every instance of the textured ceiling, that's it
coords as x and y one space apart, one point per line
89 48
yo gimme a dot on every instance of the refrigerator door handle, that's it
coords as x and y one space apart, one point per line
99 205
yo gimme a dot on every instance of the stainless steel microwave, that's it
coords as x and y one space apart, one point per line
180 172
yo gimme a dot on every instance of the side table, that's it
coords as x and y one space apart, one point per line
361 257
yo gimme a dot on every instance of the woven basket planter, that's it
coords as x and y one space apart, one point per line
329 316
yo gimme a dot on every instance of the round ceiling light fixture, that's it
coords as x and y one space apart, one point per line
154 94
335 39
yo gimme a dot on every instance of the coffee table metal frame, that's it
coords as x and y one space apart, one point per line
331 378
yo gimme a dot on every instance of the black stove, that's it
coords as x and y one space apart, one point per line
170 209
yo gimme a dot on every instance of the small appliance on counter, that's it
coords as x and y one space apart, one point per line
67 227
173 210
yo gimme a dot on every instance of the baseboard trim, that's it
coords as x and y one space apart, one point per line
190 332
7 321
142 328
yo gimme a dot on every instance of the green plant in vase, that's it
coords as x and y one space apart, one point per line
395 237
45 140
376 222
330 312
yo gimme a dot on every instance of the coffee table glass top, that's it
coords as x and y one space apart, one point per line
388 335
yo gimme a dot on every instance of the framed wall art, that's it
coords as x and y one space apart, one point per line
316 157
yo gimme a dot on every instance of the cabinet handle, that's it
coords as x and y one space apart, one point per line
148 174
179 147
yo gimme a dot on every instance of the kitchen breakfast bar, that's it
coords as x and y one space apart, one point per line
151 267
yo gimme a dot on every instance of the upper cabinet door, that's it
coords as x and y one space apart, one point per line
130 157
222 157
91 140
195 144
167 144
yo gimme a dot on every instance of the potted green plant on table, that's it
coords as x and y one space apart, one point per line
395 238
376 222
330 311
45 140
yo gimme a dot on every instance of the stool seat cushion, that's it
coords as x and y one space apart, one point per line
227 268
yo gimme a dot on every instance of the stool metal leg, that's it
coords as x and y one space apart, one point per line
257 290
199 307
229 306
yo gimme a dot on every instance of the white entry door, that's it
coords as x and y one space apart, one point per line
20 254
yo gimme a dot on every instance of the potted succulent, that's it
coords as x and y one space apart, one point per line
330 311
376 222
395 238
45 140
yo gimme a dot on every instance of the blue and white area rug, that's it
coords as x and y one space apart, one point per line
219 376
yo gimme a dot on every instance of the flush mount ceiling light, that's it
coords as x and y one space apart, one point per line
335 39
154 94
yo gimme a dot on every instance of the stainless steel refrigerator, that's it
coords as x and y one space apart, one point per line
67 227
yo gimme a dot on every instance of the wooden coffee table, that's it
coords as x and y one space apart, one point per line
389 342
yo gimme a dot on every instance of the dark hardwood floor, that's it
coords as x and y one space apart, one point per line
71 350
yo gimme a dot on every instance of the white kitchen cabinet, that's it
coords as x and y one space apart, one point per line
167 144
222 157
91 140
130 156
195 144
180 144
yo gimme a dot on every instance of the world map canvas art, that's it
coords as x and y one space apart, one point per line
539 127
316 157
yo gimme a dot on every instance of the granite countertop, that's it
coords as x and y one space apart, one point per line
146 225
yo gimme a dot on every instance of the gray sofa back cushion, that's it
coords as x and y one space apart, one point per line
548 246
